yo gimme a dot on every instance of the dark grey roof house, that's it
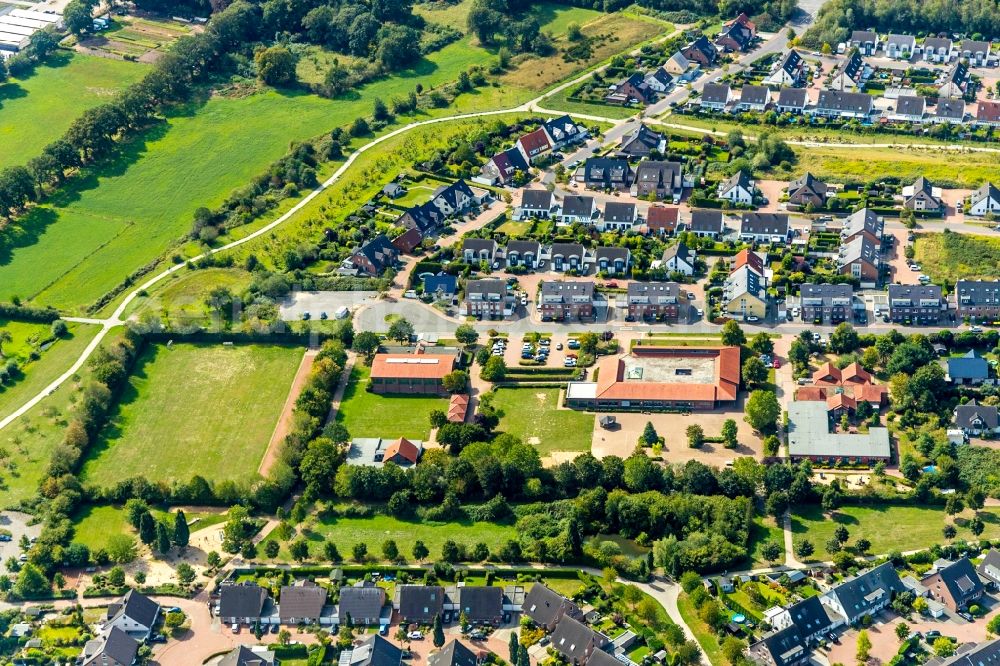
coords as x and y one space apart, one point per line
641 143
957 585
606 173
836 103
241 603
546 608
576 641
455 653
245 656
791 100
420 603
135 614
482 604
950 110
374 651
865 594
114 648
754 98
782 648
764 227
706 222
301 603
362 603
975 419
989 568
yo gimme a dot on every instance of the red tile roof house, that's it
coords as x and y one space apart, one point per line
417 373
662 220
533 144
662 378
988 113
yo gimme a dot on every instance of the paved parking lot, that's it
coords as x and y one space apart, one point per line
318 302
17 523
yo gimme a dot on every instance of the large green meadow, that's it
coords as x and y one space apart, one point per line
37 110
195 409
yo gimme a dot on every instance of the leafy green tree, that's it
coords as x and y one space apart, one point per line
390 551
78 16
943 646
841 534
181 532
732 334
456 381
299 549
862 545
330 552
147 529
729 433
771 551
275 66
271 548
400 330
31 583
438 633
134 509
121 548
844 339
359 552
762 343
185 573
366 344
514 644
420 551
902 631
695 436
494 370
804 548
116 576
762 410
754 372
162 538
649 434
864 646
466 335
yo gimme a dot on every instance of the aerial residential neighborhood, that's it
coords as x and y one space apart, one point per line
468 332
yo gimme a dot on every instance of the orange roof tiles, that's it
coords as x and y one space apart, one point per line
457 407
749 258
811 394
827 373
840 400
855 374
412 366
403 448
611 384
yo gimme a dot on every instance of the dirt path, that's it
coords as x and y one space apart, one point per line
286 419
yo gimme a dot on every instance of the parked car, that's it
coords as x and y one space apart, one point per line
573 344
415 635
235 628
976 329
559 346
777 363
753 319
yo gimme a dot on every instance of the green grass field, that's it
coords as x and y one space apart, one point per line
765 529
195 409
844 164
346 532
534 416
39 109
702 632
94 525
181 298
53 362
888 528
367 414
951 256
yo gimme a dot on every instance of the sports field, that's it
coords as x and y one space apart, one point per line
39 109
367 414
533 415
195 409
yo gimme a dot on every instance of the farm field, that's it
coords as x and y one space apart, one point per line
132 37
372 531
887 527
950 256
533 415
367 414
194 409
71 251
52 97
52 363
94 525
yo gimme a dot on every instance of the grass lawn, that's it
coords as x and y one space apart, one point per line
346 532
415 195
534 416
888 528
53 362
39 109
944 169
367 414
181 297
515 229
765 529
195 409
561 102
702 632
951 256
94 525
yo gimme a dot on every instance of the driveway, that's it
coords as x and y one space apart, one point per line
317 302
